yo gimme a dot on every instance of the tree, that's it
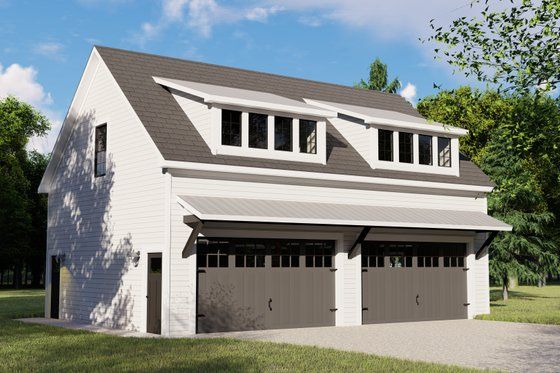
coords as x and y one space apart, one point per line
18 122
515 140
516 46
528 252
480 112
378 79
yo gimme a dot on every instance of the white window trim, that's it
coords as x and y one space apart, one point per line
269 153
396 165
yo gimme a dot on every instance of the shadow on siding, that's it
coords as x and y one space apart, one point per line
92 287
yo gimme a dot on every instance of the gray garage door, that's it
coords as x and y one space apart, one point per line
247 284
413 281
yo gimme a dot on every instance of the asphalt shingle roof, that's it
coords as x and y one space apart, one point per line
178 140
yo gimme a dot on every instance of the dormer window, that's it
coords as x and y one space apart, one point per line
258 131
425 156
405 147
308 136
283 133
444 151
231 127
385 143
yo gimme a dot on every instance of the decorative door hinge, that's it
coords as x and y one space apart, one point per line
466 304
334 309
201 271
365 309
333 269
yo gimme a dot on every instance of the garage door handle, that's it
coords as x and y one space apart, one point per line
417 299
270 304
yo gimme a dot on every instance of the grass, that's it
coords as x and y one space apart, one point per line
26 347
528 304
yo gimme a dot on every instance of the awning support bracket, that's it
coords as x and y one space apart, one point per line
196 224
486 243
361 237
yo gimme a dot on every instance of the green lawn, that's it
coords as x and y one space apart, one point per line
25 347
526 304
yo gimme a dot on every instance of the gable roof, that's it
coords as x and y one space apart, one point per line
178 140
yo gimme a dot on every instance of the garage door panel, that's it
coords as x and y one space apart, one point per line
283 293
415 289
226 305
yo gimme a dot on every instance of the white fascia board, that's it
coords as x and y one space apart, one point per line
179 165
361 223
246 103
435 127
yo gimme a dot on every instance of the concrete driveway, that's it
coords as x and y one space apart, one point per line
473 343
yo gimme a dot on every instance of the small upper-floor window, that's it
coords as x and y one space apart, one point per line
231 127
385 145
283 133
425 150
308 136
258 131
100 150
405 147
444 151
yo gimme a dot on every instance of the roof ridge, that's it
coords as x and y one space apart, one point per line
368 91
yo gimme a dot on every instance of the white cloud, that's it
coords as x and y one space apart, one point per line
261 14
310 21
390 19
202 16
22 82
50 49
409 93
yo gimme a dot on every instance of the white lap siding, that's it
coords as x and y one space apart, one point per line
99 223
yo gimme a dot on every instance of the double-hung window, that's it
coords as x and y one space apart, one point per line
283 134
308 136
425 150
385 145
405 147
100 150
444 151
231 127
258 131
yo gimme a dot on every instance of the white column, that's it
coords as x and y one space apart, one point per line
295 135
322 141
215 128
271 133
435 151
244 130
415 149
455 155
374 156
395 146
166 261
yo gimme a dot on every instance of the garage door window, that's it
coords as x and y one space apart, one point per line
213 254
318 254
454 256
286 254
249 255
372 257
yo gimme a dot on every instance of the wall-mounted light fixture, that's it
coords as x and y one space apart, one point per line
61 258
135 256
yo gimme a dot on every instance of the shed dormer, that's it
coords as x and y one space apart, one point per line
396 141
255 124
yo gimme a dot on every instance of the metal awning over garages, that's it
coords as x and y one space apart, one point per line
319 213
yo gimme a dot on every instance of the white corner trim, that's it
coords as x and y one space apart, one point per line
179 165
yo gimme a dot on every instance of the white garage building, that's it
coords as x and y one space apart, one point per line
186 197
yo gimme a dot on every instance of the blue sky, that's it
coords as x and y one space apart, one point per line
44 45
